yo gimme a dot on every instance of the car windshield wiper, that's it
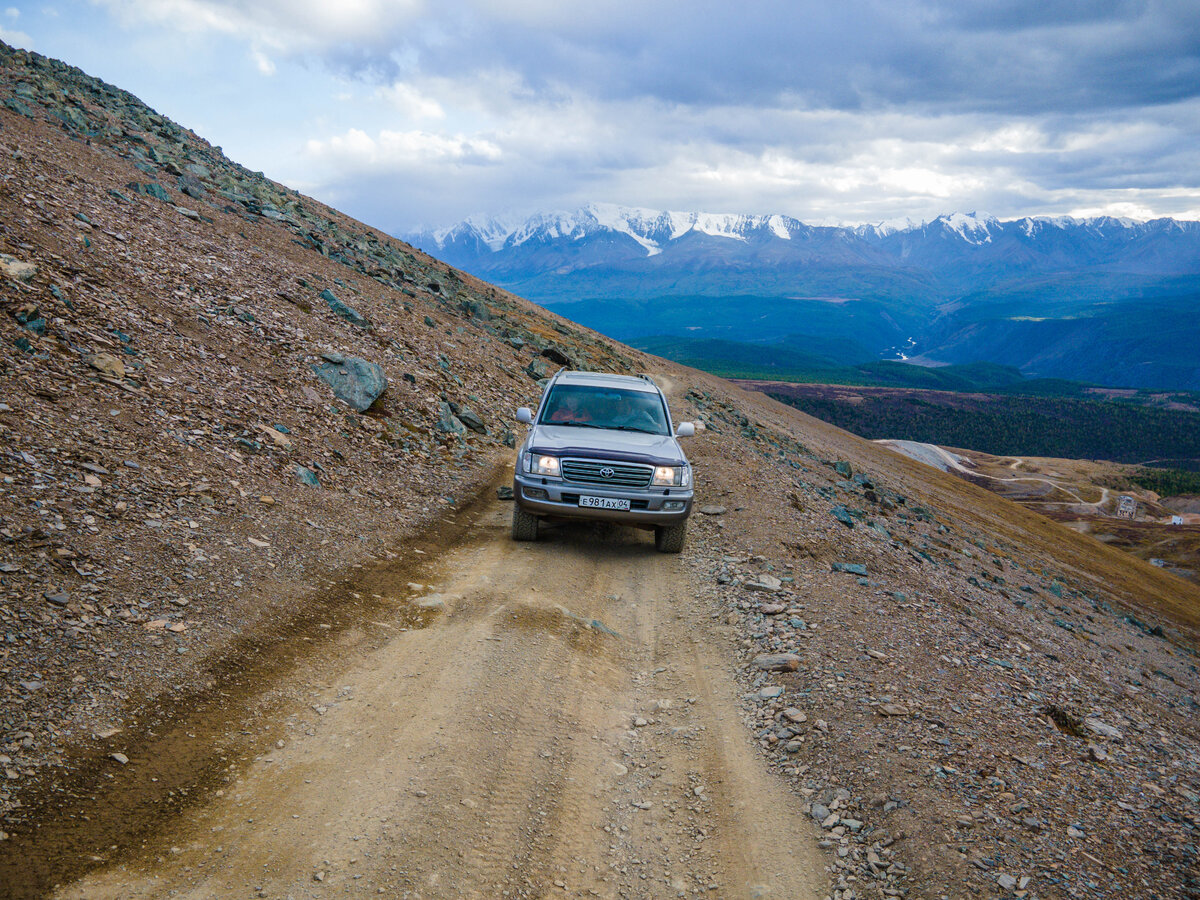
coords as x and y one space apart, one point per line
633 428
575 424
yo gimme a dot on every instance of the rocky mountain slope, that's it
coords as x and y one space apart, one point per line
1104 300
189 358
199 480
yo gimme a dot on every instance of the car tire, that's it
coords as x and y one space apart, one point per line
524 525
669 538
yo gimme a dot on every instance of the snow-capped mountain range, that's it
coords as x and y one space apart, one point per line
1040 293
655 231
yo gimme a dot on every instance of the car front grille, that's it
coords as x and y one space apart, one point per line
598 471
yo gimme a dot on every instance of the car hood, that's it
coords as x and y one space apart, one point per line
603 443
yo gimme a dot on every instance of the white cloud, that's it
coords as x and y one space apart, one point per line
16 38
12 12
286 26
263 62
392 151
411 102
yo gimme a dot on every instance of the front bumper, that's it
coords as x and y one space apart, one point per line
552 498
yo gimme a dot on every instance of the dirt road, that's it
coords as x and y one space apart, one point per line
563 722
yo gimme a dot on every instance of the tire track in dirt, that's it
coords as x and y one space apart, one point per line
567 726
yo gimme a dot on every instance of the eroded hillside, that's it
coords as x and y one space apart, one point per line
961 698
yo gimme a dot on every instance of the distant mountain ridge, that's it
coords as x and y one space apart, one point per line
947 240
1106 300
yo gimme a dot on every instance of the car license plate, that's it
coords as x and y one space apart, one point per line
604 503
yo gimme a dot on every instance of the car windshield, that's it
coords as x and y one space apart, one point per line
587 406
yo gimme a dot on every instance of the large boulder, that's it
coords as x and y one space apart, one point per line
354 381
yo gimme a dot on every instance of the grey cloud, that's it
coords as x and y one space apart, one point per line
1008 57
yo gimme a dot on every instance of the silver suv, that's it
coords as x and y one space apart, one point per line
602 447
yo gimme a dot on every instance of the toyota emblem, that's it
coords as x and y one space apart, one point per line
608 472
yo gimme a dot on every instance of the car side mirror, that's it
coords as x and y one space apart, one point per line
685 429
525 415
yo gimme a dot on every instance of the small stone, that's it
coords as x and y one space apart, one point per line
767 583
820 812
106 364
119 757
504 492
318 876
795 715
1103 729
777 662
640 722
351 315
712 510
58 598
893 709
851 568
1007 882
472 420
11 267
307 476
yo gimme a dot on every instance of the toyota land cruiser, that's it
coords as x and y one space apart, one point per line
603 447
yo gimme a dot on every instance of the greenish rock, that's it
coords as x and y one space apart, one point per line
354 381
536 369
22 344
472 420
448 422
429 321
190 185
852 568
843 468
157 191
118 196
351 315
307 476
839 512
18 107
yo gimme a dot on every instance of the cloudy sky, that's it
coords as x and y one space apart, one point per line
421 112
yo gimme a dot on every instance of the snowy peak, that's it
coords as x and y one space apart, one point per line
969 227
651 229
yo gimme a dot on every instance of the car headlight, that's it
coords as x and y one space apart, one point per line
672 476
536 464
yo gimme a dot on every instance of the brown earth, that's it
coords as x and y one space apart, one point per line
220 681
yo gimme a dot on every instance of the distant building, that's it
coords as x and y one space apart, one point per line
1127 509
